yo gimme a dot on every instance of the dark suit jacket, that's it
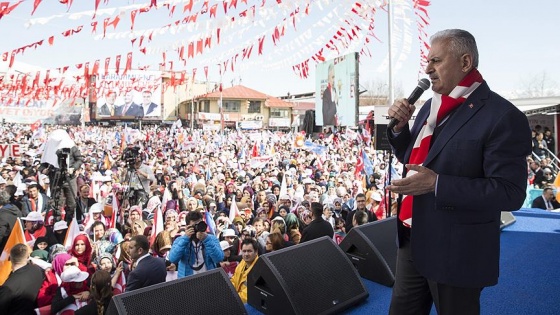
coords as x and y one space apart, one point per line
480 156
134 110
104 110
538 203
317 228
150 270
18 295
26 205
153 106
329 108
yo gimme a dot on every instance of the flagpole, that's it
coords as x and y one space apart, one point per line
221 107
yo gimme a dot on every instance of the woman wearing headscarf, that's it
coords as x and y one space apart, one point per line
82 250
74 289
52 280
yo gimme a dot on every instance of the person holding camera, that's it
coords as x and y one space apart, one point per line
196 251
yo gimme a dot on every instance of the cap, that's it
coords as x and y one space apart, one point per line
225 245
60 225
33 216
376 196
96 208
228 232
73 274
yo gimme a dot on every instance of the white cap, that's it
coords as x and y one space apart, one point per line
96 208
376 196
73 274
225 245
228 232
33 216
60 225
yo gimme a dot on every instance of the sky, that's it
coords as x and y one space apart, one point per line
517 40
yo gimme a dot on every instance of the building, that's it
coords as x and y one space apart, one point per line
242 108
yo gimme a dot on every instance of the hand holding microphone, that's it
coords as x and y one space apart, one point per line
401 111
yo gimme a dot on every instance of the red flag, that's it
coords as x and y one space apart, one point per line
35 5
117 63
359 165
255 151
158 224
128 65
36 125
115 206
107 61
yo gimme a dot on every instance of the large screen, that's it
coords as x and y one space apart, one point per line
336 92
135 95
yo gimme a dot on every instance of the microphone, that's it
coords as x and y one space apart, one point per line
423 85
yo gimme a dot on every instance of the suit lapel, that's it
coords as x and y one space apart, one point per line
464 113
421 117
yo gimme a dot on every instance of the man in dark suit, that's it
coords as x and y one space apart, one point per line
148 270
129 108
319 227
148 107
330 100
468 167
18 295
108 109
546 201
34 200
360 206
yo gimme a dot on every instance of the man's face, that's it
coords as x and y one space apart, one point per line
133 251
128 97
548 195
248 253
146 98
361 202
444 68
33 192
111 98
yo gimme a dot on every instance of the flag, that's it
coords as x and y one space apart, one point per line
115 206
121 283
366 136
233 210
283 186
16 237
255 151
368 165
158 224
73 231
359 166
210 222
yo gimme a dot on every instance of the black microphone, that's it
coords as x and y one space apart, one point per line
423 85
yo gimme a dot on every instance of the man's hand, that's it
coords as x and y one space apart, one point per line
402 111
422 181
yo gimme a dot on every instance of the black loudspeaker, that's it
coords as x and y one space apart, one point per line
372 248
207 293
506 219
314 277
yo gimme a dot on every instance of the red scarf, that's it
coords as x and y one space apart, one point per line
441 107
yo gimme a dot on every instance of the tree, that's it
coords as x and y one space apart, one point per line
540 85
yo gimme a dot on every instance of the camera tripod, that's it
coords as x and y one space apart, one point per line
134 192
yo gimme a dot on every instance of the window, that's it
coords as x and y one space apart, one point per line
254 107
204 106
232 106
278 113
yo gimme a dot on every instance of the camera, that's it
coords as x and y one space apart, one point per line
130 155
200 227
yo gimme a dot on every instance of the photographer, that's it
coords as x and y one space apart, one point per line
60 161
196 251
139 176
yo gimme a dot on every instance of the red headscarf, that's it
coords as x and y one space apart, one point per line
85 257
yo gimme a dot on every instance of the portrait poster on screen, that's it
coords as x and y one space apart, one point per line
134 95
336 91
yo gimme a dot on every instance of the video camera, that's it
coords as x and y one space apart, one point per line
130 155
62 155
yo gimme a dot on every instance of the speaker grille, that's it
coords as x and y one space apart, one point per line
313 276
207 293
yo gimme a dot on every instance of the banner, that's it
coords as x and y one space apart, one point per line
7 150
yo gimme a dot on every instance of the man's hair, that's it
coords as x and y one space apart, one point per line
250 241
361 217
360 195
141 242
546 189
193 216
19 253
4 198
459 42
316 209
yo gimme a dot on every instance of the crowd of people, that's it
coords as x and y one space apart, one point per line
162 203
